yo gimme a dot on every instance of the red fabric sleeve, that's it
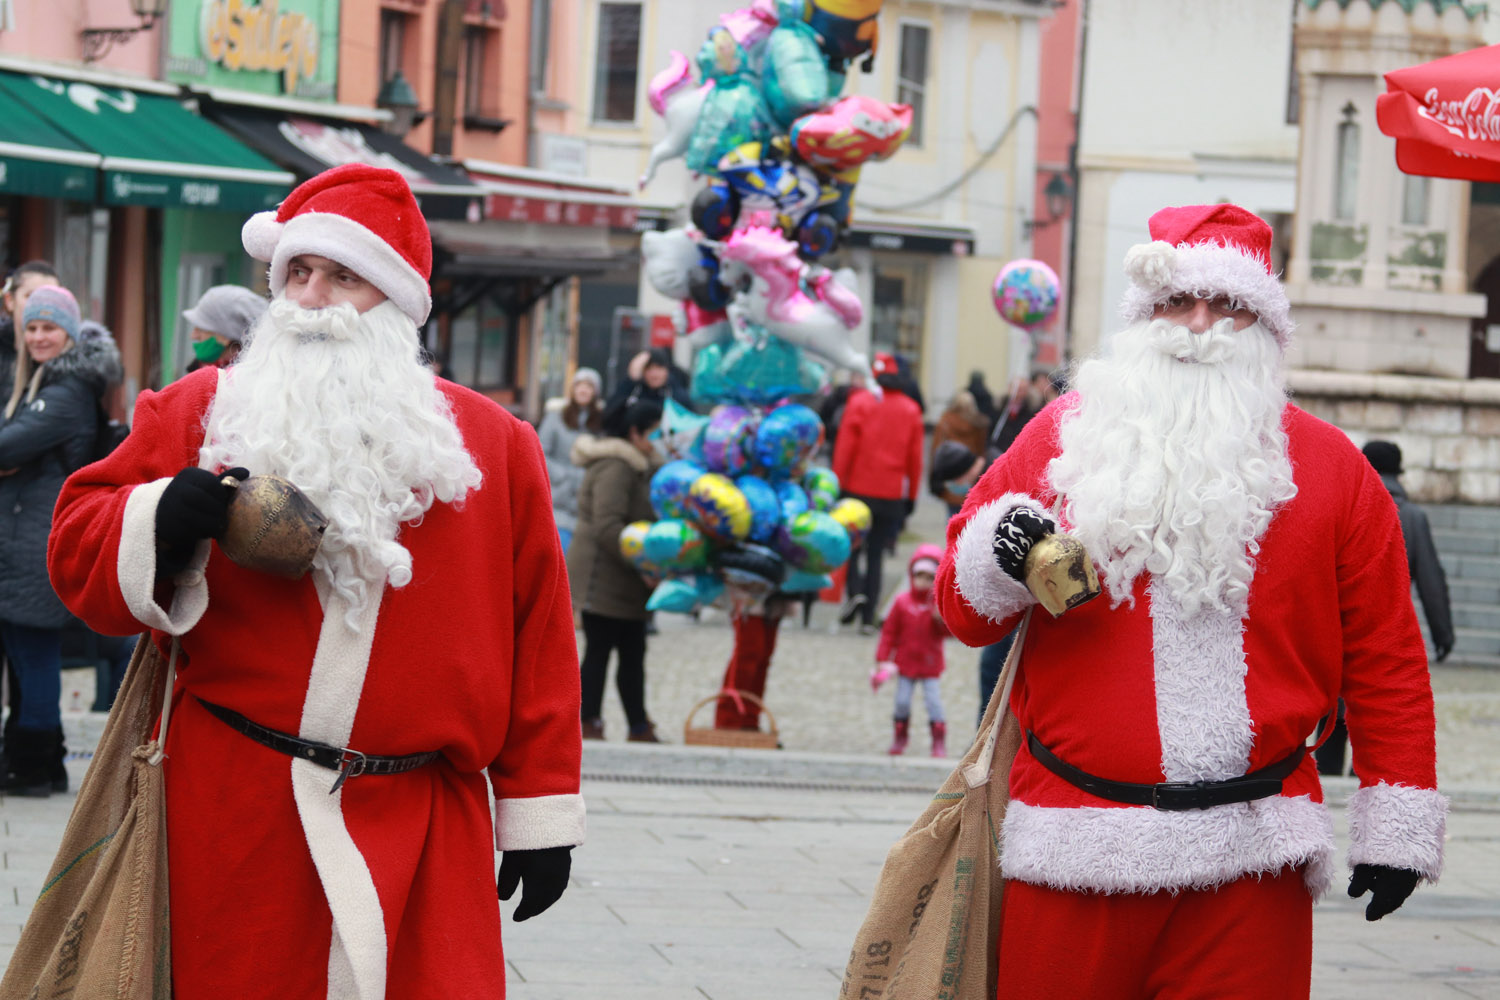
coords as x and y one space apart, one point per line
890 631
851 431
914 456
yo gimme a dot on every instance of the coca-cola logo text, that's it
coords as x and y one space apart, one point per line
1475 117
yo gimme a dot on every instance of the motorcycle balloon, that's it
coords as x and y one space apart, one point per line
818 235
705 288
715 209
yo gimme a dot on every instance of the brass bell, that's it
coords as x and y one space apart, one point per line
273 527
1060 574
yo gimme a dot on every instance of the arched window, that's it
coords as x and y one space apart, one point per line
1346 167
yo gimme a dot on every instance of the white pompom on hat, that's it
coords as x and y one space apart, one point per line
364 217
1207 251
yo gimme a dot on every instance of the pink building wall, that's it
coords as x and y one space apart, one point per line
1057 131
51 31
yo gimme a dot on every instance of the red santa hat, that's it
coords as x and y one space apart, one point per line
365 218
1207 251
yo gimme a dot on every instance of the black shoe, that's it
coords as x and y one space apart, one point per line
30 772
59 767
851 608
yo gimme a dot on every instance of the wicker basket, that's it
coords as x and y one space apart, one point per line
752 738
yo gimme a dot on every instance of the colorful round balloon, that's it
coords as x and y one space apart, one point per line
730 429
785 438
765 508
670 485
793 499
720 508
856 518
822 487
633 544
1026 293
813 542
676 545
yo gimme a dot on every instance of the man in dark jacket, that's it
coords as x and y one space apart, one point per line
1426 572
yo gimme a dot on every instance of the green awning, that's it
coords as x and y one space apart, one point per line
38 160
150 149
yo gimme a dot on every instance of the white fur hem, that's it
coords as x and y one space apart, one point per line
1400 826
340 238
543 821
1206 270
135 567
989 589
1138 849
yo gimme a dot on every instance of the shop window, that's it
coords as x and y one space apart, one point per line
481 78
541 44
481 348
899 310
1414 200
911 76
617 62
1346 167
393 31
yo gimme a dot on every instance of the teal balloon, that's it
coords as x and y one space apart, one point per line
798 582
812 542
682 431
792 497
794 77
709 382
786 437
755 374
669 488
733 114
676 545
765 508
822 487
684 595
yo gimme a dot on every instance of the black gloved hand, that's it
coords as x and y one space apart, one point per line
1014 536
911 505
1388 887
1440 653
194 506
545 872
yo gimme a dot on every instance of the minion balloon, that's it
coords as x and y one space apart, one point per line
848 29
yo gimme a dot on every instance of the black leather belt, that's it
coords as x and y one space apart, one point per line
1173 796
348 763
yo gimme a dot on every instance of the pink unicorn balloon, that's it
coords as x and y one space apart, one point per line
673 96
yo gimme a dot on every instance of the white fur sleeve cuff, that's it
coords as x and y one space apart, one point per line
135 567
1399 826
990 590
544 821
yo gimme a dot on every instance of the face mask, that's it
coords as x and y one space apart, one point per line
208 350
958 489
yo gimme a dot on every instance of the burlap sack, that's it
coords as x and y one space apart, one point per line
935 912
99 927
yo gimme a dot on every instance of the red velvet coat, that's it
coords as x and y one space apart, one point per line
1144 694
387 888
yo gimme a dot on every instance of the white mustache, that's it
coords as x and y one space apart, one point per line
1213 346
338 322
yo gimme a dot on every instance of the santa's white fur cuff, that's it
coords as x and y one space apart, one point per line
542 821
135 567
1399 826
990 590
1159 271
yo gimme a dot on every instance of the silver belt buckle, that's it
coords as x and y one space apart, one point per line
351 765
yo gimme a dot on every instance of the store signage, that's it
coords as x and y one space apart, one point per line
555 212
281 47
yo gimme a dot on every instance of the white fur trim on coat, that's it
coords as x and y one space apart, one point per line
340 238
543 821
1399 826
1140 849
1205 270
135 567
990 590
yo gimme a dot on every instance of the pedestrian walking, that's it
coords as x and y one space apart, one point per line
911 648
1166 830
878 459
51 421
579 412
221 320
1426 572
608 591
422 678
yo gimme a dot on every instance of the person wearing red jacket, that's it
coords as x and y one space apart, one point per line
1166 833
878 459
911 645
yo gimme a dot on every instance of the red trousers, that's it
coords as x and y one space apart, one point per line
754 642
1248 940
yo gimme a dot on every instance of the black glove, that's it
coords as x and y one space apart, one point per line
194 506
910 505
1388 887
1014 536
545 872
1440 652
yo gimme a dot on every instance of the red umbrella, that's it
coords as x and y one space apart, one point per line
1445 115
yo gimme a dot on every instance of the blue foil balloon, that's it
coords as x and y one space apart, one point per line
798 582
765 508
822 487
676 545
786 437
733 114
813 542
761 373
730 429
684 595
792 497
669 488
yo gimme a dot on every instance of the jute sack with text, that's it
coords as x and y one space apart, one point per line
99 927
935 912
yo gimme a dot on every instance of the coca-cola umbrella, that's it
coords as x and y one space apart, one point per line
1445 116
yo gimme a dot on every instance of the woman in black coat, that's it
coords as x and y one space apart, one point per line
51 424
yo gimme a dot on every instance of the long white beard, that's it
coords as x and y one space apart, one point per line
1175 460
338 403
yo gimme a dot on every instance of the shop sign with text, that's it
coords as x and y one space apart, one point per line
279 47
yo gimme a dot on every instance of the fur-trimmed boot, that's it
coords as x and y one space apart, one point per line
898 744
940 739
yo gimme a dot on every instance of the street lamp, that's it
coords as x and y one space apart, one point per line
397 96
98 41
1058 195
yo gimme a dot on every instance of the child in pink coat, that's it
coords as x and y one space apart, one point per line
911 645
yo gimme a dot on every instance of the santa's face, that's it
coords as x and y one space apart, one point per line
1198 315
314 282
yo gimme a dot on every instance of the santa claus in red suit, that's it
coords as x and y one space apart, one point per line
434 631
1167 833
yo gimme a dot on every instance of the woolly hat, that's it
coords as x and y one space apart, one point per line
885 364
1207 251
590 376
1384 457
951 460
226 310
55 304
361 216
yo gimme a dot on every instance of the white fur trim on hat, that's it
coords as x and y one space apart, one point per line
1158 271
340 238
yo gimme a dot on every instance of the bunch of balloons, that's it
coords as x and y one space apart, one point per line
741 505
762 121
